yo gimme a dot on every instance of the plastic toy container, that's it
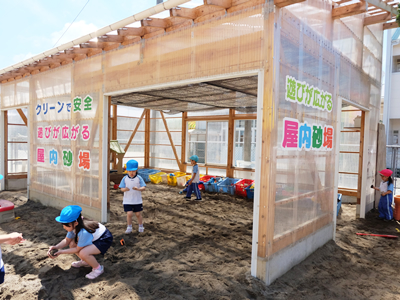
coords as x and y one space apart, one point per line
211 185
181 181
241 185
156 178
227 186
145 175
172 179
179 174
250 192
164 178
204 179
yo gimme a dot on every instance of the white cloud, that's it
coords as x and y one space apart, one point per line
76 30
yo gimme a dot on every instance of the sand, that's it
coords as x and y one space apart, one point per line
193 250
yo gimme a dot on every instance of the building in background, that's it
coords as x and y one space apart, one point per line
391 113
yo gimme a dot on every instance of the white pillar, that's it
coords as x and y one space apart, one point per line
105 161
2 141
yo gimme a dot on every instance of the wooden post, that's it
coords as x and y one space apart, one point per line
183 144
360 161
231 136
114 128
147 139
134 131
170 139
108 151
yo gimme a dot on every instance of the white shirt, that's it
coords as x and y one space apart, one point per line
1 260
132 197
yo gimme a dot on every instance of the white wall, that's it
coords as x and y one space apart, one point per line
395 96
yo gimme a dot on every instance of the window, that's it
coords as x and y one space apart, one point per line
245 144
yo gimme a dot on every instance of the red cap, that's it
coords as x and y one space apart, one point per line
386 172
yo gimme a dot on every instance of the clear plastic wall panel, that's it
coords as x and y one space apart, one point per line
123 137
348 163
350 141
162 138
217 172
371 65
15 167
17 150
140 160
355 24
128 123
244 175
185 53
199 149
217 142
372 43
377 31
316 14
347 42
174 124
164 151
244 152
218 112
306 107
17 133
88 75
134 150
52 83
348 181
128 111
13 116
7 95
375 96
163 164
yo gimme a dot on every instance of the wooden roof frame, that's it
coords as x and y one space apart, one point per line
378 11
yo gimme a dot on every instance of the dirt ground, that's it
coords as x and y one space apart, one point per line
193 250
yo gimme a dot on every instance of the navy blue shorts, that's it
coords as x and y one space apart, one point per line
104 242
2 274
133 207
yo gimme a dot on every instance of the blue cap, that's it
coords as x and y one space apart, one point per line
1 177
69 214
194 157
132 165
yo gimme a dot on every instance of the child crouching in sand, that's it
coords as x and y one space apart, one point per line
11 239
85 238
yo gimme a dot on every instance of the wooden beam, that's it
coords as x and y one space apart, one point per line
110 39
183 12
154 22
348 192
210 16
134 131
98 45
170 139
23 117
245 5
377 19
231 138
349 10
187 23
204 10
223 3
130 40
390 25
283 3
125 31
183 142
76 50
383 5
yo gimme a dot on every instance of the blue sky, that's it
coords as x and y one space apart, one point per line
29 27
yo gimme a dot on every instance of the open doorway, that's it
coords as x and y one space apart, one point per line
352 123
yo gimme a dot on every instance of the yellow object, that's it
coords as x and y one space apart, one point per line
188 177
179 174
397 230
171 180
156 178
20 217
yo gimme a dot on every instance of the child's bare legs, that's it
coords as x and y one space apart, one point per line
139 218
129 215
86 254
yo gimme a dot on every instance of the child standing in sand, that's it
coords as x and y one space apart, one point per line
85 238
386 189
193 184
133 185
